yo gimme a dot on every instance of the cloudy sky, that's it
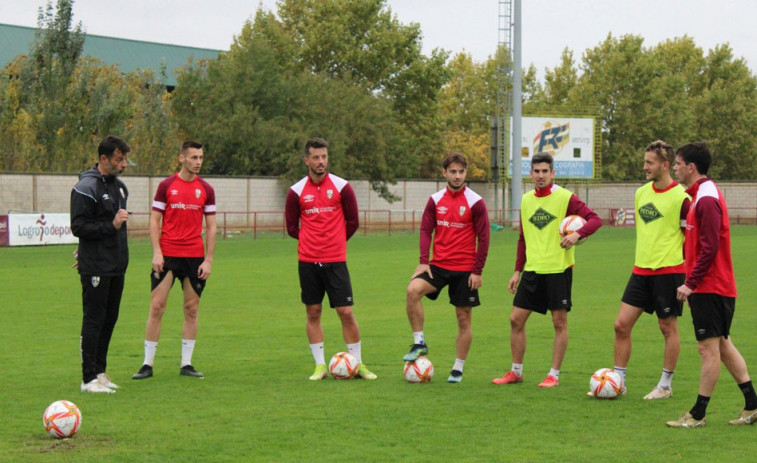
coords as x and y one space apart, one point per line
455 25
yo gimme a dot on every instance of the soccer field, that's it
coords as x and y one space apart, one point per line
256 403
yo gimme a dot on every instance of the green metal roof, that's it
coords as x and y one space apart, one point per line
129 55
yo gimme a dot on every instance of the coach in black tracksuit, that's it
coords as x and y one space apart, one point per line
98 219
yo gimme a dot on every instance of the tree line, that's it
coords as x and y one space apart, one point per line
351 72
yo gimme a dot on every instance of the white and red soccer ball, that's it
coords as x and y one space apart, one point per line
572 224
343 365
605 383
419 371
62 419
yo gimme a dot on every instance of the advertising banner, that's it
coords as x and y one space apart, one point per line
570 141
623 217
3 230
39 229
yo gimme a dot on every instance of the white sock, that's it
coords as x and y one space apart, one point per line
150 348
354 349
418 337
518 369
317 350
622 372
666 378
458 365
187 348
555 373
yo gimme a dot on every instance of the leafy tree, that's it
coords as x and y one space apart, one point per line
152 131
18 142
726 112
360 42
466 104
256 105
53 59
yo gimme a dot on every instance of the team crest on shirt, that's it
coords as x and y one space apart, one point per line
95 281
462 210
329 193
197 193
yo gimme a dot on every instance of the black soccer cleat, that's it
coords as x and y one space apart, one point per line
189 370
143 373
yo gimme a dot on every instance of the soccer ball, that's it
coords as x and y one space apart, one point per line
343 365
571 224
62 419
605 383
420 371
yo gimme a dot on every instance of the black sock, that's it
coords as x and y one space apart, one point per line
750 398
700 408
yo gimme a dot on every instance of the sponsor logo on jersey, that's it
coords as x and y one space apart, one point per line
649 213
308 198
541 218
174 192
441 210
106 197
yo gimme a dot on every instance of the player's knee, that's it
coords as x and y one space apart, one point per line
516 323
668 328
622 329
414 292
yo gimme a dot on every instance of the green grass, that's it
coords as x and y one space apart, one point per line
256 403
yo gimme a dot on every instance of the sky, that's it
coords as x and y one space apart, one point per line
471 26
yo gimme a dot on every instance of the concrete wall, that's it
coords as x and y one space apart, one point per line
238 197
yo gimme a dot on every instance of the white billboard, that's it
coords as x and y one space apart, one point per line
570 140
39 229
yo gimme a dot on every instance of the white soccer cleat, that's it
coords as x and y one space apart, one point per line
105 381
96 386
659 393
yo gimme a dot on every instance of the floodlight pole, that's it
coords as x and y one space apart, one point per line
516 144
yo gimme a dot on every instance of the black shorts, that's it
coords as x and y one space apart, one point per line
180 267
319 279
460 294
540 292
712 315
655 293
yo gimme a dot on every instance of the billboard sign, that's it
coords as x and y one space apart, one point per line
570 140
39 229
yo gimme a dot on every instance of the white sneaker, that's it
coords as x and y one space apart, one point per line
104 379
659 393
96 386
